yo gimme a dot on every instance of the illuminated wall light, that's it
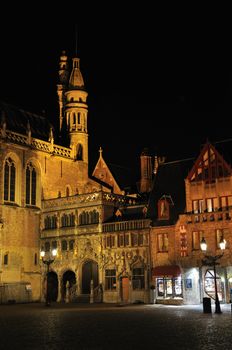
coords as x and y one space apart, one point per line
193 273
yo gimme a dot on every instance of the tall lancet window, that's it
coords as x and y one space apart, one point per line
30 185
9 180
79 155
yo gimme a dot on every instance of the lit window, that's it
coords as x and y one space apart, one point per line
196 239
221 234
162 242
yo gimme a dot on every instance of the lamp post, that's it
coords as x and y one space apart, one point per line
48 258
211 260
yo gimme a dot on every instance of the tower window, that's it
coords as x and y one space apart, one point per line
9 180
5 259
79 155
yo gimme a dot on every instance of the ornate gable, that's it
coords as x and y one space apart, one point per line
209 166
103 173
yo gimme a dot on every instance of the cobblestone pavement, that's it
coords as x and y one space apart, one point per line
107 326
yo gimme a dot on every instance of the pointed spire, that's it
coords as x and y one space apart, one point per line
76 81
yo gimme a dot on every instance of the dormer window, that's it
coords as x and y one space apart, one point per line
164 207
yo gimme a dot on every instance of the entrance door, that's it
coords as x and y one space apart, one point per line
89 272
125 289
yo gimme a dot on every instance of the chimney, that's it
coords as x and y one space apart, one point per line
146 171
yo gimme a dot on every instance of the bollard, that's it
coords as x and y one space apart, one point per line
207 305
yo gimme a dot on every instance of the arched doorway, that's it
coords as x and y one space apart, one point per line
52 284
70 277
89 272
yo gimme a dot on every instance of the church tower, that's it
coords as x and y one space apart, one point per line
76 112
73 108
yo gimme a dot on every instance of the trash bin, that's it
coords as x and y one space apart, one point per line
207 305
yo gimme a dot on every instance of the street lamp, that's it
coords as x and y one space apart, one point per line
48 258
211 260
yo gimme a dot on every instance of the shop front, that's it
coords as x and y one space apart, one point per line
168 284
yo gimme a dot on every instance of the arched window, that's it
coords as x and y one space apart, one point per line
64 220
95 217
79 155
50 222
30 185
84 218
64 245
72 219
71 245
9 180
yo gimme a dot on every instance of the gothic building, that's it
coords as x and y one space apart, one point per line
48 200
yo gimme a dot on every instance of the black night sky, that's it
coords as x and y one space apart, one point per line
162 83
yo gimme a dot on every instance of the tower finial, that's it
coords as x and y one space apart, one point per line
76 37
100 151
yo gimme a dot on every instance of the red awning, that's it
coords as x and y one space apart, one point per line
166 271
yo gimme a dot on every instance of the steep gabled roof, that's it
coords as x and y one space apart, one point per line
17 120
103 173
209 165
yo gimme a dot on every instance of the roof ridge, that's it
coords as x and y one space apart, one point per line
9 105
178 161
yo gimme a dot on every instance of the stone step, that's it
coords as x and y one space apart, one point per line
82 298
